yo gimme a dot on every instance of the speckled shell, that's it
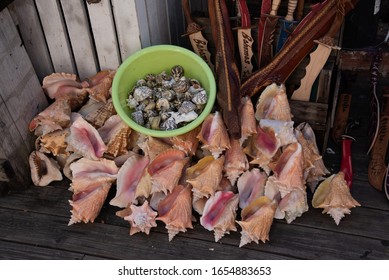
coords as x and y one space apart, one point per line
333 195
257 219
44 170
142 218
175 210
219 213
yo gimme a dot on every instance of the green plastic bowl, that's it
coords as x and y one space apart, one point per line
154 60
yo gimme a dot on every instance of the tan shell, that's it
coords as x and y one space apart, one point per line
44 170
152 146
166 170
175 210
187 142
219 213
213 135
257 218
142 218
100 92
205 176
247 119
333 195
235 161
55 142
100 113
273 104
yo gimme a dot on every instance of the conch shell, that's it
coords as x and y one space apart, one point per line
62 85
142 218
247 119
251 185
187 142
273 104
175 210
97 113
166 169
334 196
292 205
128 178
235 161
219 213
214 135
152 146
100 90
84 139
43 169
257 218
54 142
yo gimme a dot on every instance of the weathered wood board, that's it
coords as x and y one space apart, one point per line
21 98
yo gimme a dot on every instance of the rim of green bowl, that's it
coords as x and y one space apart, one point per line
163 133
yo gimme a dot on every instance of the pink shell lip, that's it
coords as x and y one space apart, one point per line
164 160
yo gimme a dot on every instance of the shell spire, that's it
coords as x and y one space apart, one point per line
142 218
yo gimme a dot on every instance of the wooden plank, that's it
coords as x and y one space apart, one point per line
361 61
104 34
15 251
127 27
143 23
158 22
177 23
108 241
77 24
56 35
33 37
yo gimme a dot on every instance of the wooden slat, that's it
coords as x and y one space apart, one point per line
33 37
144 30
21 98
56 35
127 27
77 24
16 251
158 22
112 242
104 34
176 23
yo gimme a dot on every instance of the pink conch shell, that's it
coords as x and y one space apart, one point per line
251 185
155 199
247 119
266 142
98 77
283 130
44 170
55 142
100 91
166 169
235 161
257 218
288 171
97 113
115 134
86 172
292 205
314 168
214 135
273 104
128 178
66 169
219 213
54 117
205 176
58 85
152 147
87 204
142 218
144 188
84 139
187 142
334 196
175 210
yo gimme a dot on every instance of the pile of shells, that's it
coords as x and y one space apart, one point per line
166 101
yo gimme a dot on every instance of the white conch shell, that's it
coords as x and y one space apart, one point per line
257 218
292 205
43 169
142 218
273 104
235 161
251 185
334 196
175 210
283 130
219 213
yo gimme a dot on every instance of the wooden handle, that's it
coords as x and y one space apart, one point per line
300 10
274 7
292 4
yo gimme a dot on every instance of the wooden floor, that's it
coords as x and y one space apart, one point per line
33 225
